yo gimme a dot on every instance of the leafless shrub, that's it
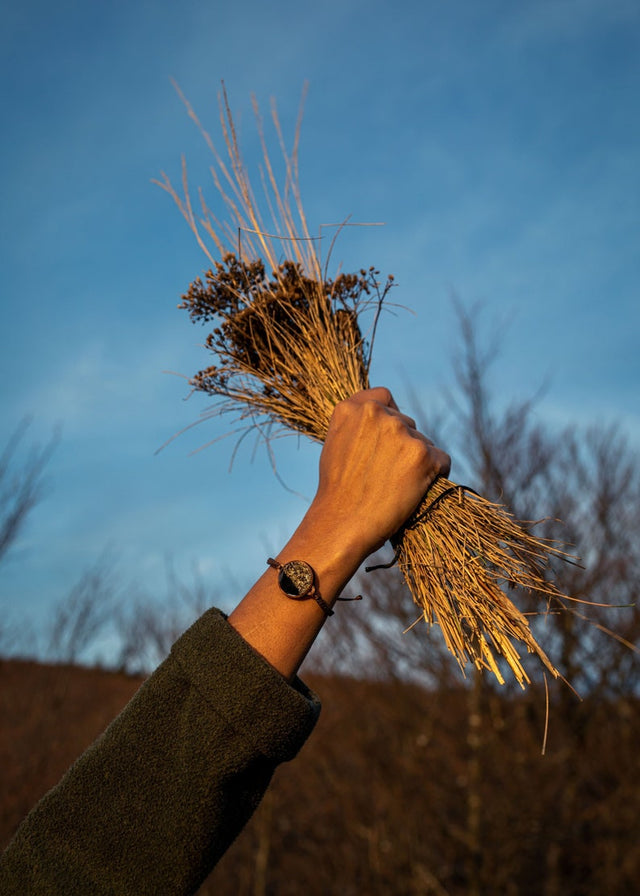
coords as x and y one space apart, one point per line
587 483
21 483
82 616
148 627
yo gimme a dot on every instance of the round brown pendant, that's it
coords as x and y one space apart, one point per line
296 578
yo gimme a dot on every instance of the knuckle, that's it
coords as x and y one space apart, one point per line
430 459
384 395
343 408
371 408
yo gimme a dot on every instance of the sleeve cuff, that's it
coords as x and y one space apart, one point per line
240 685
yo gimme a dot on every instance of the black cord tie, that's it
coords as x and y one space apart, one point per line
413 521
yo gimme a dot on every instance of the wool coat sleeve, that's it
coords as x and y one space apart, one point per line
157 799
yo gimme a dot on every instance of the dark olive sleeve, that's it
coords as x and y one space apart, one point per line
157 799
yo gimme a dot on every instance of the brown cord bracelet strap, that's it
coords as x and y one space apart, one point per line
419 516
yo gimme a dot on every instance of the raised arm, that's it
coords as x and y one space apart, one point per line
154 803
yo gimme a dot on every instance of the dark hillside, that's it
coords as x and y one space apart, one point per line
399 791
50 714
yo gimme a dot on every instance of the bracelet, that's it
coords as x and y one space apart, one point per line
297 580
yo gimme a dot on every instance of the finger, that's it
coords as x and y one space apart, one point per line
440 459
392 409
380 394
383 396
443 461
409 422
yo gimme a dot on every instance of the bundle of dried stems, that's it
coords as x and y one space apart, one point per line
289 345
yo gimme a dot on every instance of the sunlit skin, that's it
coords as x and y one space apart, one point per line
374 469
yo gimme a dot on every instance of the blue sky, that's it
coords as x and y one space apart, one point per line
498 141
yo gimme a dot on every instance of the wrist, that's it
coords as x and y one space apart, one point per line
331 545
282 629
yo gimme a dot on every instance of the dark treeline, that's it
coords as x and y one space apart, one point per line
400 790
403 791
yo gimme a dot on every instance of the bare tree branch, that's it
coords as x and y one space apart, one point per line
21 484
84 613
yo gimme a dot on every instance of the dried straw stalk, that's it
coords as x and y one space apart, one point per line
289 347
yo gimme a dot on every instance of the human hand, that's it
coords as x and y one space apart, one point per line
375 467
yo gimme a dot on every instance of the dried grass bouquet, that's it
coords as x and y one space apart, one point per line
289 342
